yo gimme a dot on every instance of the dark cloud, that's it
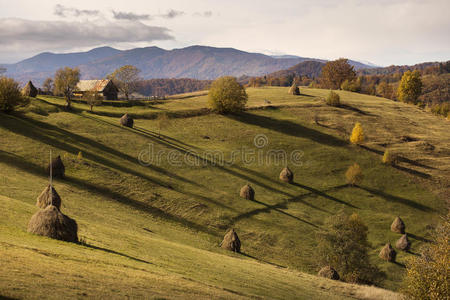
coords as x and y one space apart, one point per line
64 11
33 36
172 14
120 15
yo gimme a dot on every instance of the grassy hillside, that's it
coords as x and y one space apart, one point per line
154 229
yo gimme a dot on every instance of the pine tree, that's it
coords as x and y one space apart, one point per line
357 136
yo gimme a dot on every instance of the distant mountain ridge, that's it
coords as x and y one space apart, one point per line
197 62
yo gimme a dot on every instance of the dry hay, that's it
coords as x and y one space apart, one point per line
231 241
30 90
388 253
286 175
329 272
52 223
58 168
127 121
247 192
49 196
294 90
398 226
403 243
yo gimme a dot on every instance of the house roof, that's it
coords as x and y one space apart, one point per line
92 85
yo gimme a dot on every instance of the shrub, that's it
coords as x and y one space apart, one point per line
351 86
354 174
343 245
357 136
10 95
389 158
226 95
333 99
427 275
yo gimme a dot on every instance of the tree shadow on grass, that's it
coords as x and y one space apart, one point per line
18 162
261 260
355 109
397 199
116 253
288 128
267 209
322 194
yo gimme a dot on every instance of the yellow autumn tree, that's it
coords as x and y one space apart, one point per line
357 136
388 158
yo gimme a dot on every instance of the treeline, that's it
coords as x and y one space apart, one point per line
432 90
171 86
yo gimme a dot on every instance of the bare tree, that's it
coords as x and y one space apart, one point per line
48 85
93 98
126 79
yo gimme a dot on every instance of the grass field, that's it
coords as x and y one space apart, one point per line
153 230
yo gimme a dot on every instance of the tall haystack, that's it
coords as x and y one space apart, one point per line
403 243
294 90
58 168
398 226
49 196
247 192
52 223
231 241
388 253
286 175
329 272
30 90
126 120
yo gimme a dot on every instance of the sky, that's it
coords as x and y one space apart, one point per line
383 32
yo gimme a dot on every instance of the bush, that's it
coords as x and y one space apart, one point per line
333 99
351 86
343 245
357 136
389 158
427 275
354 174
226 95
10 95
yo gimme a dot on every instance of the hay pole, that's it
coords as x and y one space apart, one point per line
51 177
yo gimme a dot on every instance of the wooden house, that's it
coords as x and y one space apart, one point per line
104 87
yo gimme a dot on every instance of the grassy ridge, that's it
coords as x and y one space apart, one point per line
165 220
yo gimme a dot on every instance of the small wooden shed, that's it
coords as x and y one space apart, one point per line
104 87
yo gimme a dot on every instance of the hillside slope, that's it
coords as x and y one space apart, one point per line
154 229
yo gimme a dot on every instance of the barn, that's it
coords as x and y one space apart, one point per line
104 87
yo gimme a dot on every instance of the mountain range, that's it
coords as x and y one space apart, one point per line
198 62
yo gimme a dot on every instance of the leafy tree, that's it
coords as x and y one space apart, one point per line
48 85
226 95
343 245
351 86
66 80
333 99
126 79
93 98
410 87
357 136
334 73
10 95
428 275
385 90
354 175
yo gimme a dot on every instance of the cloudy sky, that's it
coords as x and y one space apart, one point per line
383 32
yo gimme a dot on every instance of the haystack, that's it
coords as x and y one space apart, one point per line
126 120
49 196
388 253
50 222
231 241
58 168
294 90
247 192
329 272
30 90
286 175
398 226
403 243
